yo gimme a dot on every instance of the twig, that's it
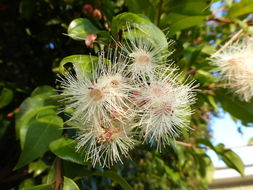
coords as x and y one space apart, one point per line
221 20
229 42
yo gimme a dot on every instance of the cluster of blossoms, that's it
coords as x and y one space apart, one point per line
133 93
235 63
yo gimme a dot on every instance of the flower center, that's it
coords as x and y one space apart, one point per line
107 136
96 95
143 60
114 83
233 61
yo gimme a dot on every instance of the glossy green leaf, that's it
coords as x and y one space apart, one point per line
65 148
241 8
40 134
147 28
69 184
231 159
43 95
81 27
6 96
37 167
84 63
42 100
41 187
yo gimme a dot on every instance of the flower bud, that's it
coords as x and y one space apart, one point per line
87 9
97 14
89 40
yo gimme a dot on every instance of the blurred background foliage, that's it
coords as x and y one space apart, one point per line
34 47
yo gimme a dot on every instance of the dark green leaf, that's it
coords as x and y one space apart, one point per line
81 27
179 22
187 7
231 103
41 187
6 96
65 148
40 134
137 7
42 100
117 178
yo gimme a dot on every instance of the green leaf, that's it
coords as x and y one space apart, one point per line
81 27
84 63
6 96
241 8
27 183
137 7
187 7
37 167
179 22
147 28
44 90
51 174
40 134
117 178
75 171
231 159
65 148
41 187
69 184
42 100
238 109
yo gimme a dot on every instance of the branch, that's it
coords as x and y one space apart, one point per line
207 147
225 21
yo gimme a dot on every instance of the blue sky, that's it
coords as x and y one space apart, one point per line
225 131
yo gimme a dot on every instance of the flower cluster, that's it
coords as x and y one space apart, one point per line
235 65
133 93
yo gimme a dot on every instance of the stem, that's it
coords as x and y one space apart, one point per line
58 177
159 12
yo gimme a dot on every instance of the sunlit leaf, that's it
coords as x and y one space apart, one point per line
81 27
69 184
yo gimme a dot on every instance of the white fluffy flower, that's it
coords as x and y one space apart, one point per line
105 145
143 55
104 96
164 107
235 63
